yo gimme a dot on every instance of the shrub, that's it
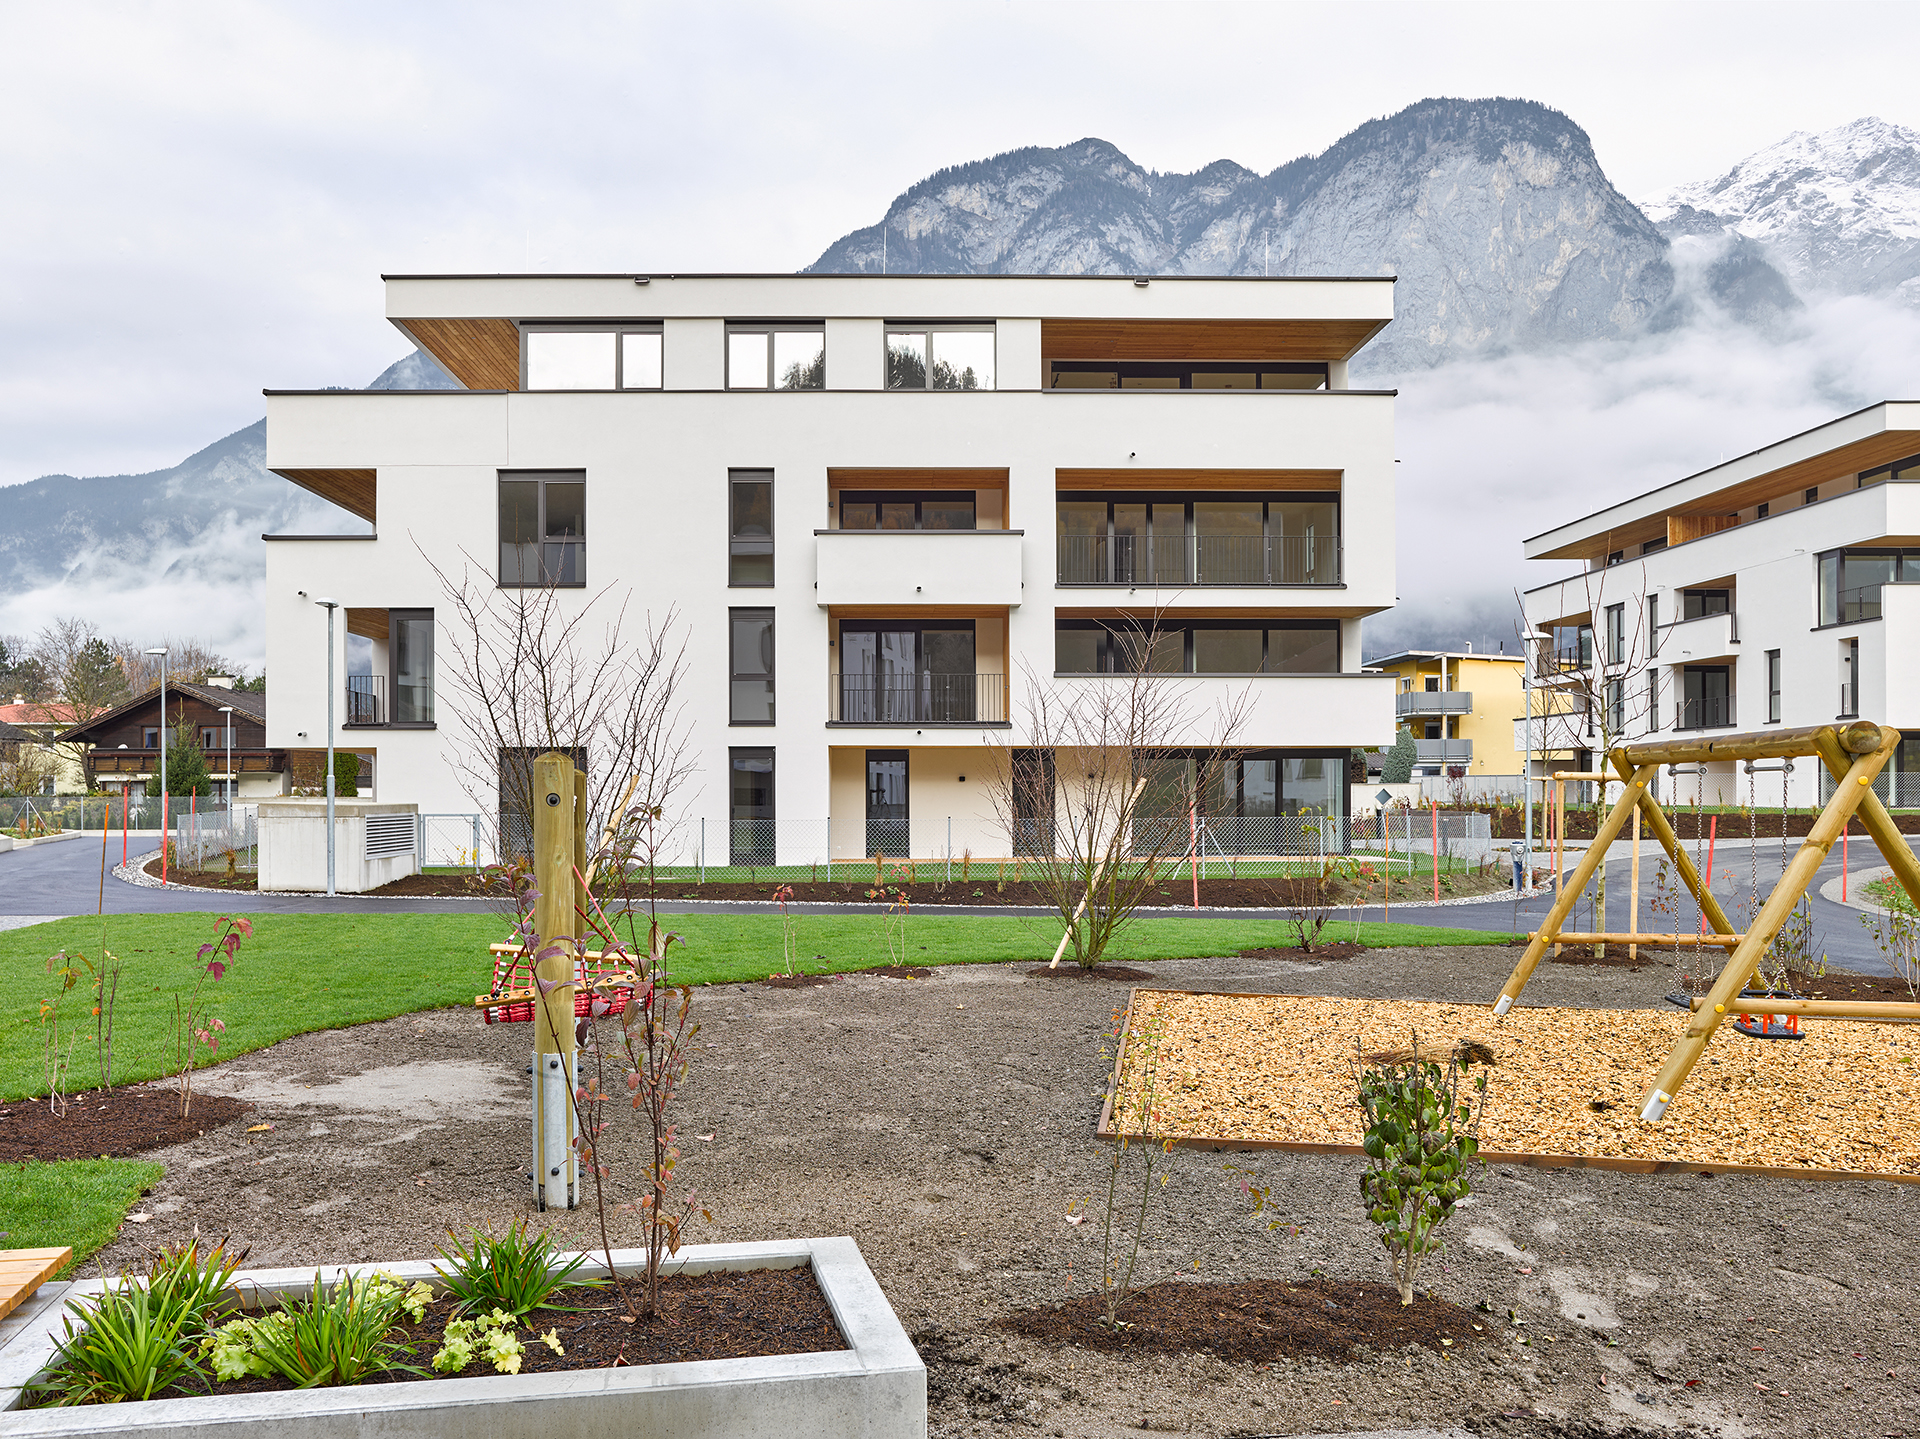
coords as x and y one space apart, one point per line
1420 1139
1397 767
513 1272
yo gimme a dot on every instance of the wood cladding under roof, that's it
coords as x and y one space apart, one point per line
1277 341
911 479
350 489
482 354
1682 521
368 624
1139 479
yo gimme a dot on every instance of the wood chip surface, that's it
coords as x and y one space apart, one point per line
1280 1068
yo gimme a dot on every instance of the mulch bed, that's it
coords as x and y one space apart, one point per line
1278 1069
1256 1322
796 981
108 1124
721 1315
1345 949
1067 969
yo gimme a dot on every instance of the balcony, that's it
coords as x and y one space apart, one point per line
1433 702
1708 637
1241 561
1704 712
923 699
918 567
1443 751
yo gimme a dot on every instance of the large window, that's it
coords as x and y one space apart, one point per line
749 528
1616 634
1183 375
592 358
1773 686
1907 469
1229 539
907 510
750 666
1698 604
1851 581
1263 802
939 357
1706 697
776 357
909 672
751 807
1221 647
543 528
410 654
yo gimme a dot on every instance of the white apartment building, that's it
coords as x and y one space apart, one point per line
1781 588
877 504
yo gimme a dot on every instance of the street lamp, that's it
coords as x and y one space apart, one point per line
330 606
227 710
162 652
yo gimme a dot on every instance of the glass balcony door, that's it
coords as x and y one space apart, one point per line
888 825
907 675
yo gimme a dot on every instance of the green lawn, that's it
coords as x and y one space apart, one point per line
77 1201
304 972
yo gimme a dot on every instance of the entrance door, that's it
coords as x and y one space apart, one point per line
887 825
750 840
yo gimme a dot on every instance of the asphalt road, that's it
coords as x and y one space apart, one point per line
65 878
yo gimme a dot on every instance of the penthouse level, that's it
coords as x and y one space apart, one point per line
879 506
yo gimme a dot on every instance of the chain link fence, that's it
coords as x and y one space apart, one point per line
1462 835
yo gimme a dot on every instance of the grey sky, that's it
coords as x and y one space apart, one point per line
200 198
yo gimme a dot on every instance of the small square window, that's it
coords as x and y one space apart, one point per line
640 361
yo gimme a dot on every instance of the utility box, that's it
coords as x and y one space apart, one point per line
373 844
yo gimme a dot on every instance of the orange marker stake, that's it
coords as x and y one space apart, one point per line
1434 806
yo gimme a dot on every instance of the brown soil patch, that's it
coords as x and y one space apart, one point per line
1277 1069
797 981
108 1124
702 1316
1067 969
1175 892
1257 1322
1849 986
1345 949
901 971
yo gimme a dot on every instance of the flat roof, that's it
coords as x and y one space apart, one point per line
1444 655
1876 435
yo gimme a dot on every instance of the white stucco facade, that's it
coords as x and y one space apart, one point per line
1804 607
657 463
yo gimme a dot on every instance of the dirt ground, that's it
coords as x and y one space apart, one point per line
946 1124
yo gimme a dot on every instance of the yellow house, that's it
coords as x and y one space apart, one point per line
1466 711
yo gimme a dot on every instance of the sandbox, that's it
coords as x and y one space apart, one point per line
1265 1071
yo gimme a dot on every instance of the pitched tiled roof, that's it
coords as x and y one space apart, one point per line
36 713
250 703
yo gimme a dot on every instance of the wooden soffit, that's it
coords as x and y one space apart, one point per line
1276 341
1137 614
481 354
350 489
368 624
1138 479
909 479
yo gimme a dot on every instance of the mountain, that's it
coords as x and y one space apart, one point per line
1838 211
1495 214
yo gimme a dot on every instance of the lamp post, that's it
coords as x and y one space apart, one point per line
162 652
330 606
227 710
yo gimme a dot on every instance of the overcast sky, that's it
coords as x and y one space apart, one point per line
199 199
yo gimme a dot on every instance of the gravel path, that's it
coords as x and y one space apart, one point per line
945 1123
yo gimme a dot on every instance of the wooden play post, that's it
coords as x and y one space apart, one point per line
556 924
1433 807
1633 900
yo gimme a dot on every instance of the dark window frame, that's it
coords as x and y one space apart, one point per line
770 328
1773 686
752 753
1146 569
394 619
1123 370
617 330
542 478
927 329
919 499
750 546
771 676
1115 632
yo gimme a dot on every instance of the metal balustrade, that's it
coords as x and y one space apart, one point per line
1224 560
366 699
918 699
1703 712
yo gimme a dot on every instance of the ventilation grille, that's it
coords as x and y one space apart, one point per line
389 834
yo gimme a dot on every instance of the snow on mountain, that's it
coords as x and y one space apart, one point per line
1495 214
1837 211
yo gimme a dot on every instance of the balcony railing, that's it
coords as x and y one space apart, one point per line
1705 712
1849 702
366 699
1433 702
1859 603
919 699
1443 751
1238 560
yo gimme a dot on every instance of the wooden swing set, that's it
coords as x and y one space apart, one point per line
1854 755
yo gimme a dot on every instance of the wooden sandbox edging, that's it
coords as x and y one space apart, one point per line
1105 1130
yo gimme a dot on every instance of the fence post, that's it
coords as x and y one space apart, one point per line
703 849
829 849
949 849
476 844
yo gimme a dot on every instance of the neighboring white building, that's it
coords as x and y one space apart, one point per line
876 503
1780 588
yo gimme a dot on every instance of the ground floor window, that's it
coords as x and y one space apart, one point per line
750 840
1263 802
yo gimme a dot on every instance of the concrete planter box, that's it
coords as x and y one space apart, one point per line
366 839
875 1389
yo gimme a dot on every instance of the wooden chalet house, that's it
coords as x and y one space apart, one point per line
123 744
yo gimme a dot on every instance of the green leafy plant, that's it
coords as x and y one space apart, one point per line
332 1338
127 1343
199 1281
1421 1137
490 1337
514 1272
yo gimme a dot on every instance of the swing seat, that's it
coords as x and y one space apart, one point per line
1760 1025
511 971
